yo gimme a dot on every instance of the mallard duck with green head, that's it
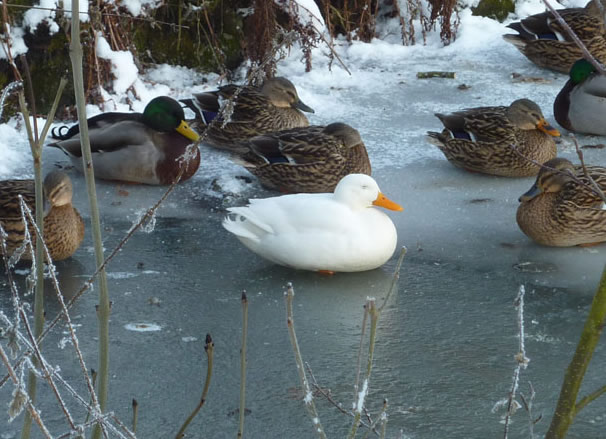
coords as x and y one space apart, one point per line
63 225
148 147
562 208
543 40
580 106
275 106
306 159
505 141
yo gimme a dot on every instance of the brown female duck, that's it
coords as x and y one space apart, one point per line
307 159
562 208
497 140
63 225
543 40
273 107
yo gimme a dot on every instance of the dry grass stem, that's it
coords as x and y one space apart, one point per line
209 348
594 185
309 397
328 396
243 364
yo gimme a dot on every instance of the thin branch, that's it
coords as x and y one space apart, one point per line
589 398
309 398
243 363
209 348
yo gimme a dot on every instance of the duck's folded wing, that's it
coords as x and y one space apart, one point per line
106 136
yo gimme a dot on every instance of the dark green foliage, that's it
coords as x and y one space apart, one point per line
497 9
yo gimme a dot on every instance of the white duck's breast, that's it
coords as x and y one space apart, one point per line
314 232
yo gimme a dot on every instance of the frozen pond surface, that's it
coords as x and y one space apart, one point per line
446 338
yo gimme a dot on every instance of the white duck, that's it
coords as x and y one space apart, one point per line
328 232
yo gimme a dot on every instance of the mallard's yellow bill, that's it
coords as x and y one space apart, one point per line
385 202
185 130
544 126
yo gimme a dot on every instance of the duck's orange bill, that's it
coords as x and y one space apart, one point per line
544 126
385 202
185 130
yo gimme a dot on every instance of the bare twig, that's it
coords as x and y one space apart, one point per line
209 348
309 398
243 363
594 185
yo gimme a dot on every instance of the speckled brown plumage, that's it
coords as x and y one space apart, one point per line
543 40
63 225
482 139
274 107
309 159
560 211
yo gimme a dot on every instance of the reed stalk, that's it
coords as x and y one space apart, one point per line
36 142
243 364
103 308
567 407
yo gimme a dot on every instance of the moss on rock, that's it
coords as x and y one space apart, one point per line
497 9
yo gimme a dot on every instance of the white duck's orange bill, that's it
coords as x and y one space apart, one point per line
385 202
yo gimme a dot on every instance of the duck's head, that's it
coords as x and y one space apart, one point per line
166 115
581 70
554 174
283 94
362 191
526 115
348 135
57 189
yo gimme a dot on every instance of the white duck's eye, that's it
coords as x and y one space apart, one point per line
364 186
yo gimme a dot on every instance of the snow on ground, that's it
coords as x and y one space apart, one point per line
381 97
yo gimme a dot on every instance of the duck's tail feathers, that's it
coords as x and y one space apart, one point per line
200 109
244 223
516 40
436 139
64 132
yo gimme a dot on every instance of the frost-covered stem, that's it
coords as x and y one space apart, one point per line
309 398
243 363
66 315
361 397
144 218
588 56
383 419
35 143
359 360
103 308
329 398
209 348
395 278
528 407
38 268
30 406
567 408
521 359
47 373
